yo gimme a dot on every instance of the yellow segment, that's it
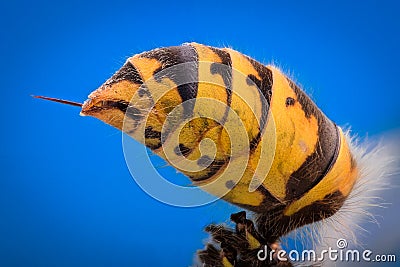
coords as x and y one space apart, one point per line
253 242
226 263
210 86
297 135
245 98
145 66
341 177
164 94
122 90
240 193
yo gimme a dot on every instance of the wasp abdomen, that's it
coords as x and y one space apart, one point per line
218 115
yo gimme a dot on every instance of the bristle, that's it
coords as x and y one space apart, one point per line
67 102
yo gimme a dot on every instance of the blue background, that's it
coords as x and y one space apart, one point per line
66 195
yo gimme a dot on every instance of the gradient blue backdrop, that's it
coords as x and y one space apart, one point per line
66 195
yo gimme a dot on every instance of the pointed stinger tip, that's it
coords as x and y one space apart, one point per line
67 102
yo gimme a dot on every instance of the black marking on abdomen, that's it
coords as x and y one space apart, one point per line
211 170
266 82
272 224
181 149
290 101
316 166
306 103
204 161
149 133
226 74
123 106
230 184
265 87
171 56
321 209
128 72
153 146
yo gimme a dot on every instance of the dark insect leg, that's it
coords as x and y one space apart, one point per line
239 247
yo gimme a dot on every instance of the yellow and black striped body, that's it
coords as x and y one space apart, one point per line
299 158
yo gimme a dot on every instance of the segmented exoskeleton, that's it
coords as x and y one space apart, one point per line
275 153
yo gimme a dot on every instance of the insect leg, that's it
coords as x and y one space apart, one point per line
239 247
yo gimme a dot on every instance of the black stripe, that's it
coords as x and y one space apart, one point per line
265 87
153 147
316 166
321 209
226 74
149 133
266 82
211 170
306 103
128 72
272 224
122 105
182 150
169 57
175 55
269 204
